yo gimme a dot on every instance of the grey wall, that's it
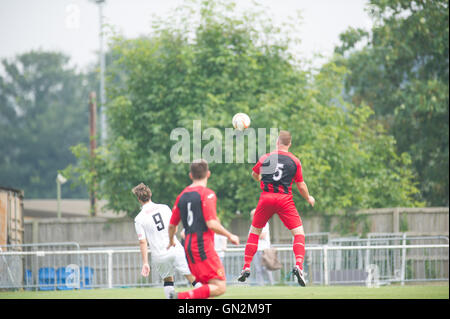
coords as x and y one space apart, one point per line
91 232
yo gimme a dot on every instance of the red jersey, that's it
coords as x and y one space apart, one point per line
278 169
194 207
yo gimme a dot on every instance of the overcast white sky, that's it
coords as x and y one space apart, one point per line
53 24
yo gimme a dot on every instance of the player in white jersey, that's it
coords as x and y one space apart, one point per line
151 227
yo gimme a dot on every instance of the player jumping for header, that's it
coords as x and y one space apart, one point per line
151 224
276 171
196 208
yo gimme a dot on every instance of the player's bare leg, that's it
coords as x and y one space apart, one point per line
299 252
217 287
214 288
250 250
192 281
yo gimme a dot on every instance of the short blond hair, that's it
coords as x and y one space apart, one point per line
142 192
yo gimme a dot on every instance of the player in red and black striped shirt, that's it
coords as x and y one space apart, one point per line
276 171
196 208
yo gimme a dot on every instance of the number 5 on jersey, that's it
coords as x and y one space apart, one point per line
278 172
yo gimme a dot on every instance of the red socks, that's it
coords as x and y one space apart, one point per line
202 292
299 250
250 249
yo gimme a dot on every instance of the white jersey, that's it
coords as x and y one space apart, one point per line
152 224
220 244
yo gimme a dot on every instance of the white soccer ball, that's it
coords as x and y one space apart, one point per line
241 121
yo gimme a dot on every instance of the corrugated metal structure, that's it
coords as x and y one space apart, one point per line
11 216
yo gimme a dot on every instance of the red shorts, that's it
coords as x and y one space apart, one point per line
275 203
210 268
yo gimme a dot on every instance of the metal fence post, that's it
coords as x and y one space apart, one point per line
403 269
110 268
325 264
367 254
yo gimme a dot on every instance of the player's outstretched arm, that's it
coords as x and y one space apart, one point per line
217 227
303 189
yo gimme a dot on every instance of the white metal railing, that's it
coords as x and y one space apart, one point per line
324 265
328 260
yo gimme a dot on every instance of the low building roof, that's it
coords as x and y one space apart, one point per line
48 208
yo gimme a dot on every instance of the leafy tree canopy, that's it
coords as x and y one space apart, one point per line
209 70
43 111
400 69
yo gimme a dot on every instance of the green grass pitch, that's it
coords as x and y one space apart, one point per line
249 292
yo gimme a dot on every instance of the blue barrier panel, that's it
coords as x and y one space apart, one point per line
87 274
28 279
47 278
61 275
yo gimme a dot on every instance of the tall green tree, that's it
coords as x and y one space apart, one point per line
43 111
400 69
211 70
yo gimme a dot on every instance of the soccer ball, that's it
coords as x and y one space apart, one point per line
241 121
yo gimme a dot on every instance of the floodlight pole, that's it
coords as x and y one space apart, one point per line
102 75
59 180
93 145
100 4
58 197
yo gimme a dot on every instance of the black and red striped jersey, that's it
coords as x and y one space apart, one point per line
194 207
278 169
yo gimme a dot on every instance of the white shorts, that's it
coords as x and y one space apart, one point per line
166 264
